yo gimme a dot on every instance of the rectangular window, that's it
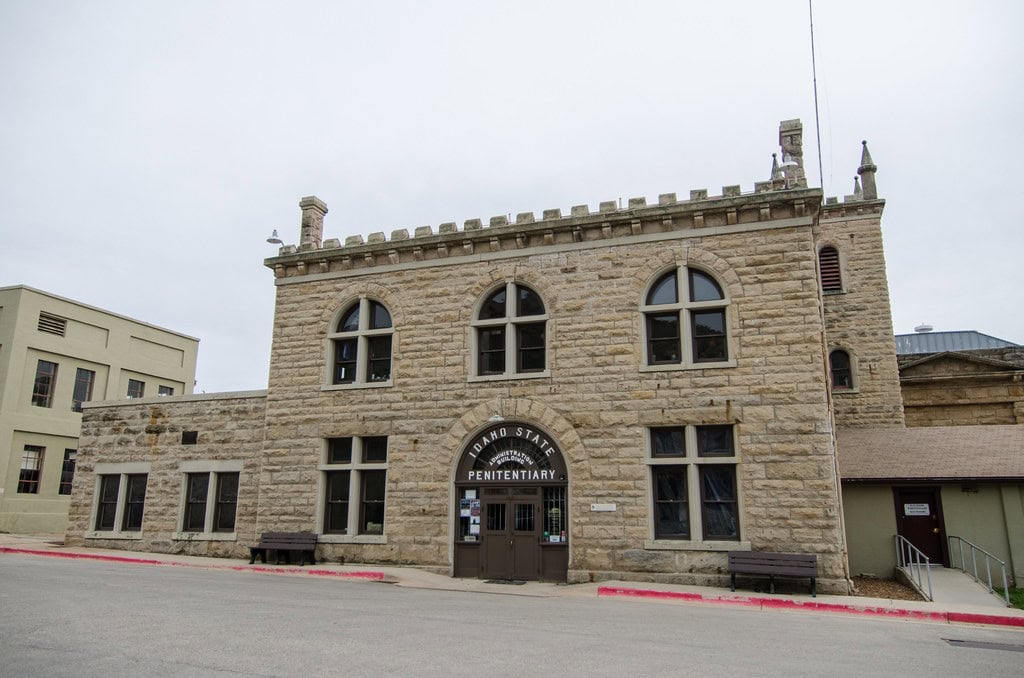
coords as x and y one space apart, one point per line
45 383
530 347
67 471
31 467
198 486
106 510
663 338
693 483
354 476
491 344
136 388
709 336
211 501
379 365
227 502
165 390
83 388
120 501
134 502
345 352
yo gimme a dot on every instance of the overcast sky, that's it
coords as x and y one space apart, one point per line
148 148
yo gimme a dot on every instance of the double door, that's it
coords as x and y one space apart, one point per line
510 533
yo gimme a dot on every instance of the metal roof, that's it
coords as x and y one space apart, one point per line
938 342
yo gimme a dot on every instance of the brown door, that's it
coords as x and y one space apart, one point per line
510 538
919 520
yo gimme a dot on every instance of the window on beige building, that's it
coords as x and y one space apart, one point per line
510 333
841 370
685 319
82 393
831 272
693 483
120 503
45 383
354 478
136 388
361 345
31 468
67 471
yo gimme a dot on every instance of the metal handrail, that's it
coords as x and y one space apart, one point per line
989 558
910 558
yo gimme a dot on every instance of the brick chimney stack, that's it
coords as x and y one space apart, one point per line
313 211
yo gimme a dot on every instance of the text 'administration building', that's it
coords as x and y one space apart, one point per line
628 392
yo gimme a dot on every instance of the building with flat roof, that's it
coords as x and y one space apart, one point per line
55 355
621 392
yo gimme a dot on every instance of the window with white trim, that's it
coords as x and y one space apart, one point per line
510 333
360 345
31 469
354 481
693 479
685 320
45 383
120 500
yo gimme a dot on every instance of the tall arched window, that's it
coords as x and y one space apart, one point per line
510 330
831 273
361 344
840 369
685 319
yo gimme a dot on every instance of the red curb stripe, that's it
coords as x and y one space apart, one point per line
356 574
974 618
814 606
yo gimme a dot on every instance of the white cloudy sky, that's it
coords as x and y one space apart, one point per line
148 148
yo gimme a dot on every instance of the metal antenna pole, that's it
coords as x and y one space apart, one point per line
814 73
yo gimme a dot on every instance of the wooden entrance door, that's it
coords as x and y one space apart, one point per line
919 520
510 537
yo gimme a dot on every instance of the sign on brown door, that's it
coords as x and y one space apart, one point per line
919 520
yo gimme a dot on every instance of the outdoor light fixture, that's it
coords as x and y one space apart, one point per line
274 239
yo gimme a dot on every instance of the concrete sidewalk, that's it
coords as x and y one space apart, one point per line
944 611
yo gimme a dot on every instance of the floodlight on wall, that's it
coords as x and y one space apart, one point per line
274 239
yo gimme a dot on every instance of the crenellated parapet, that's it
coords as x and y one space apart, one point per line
783 200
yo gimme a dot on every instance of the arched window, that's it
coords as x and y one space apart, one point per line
510 330
685 319
840 369
831 274
361 344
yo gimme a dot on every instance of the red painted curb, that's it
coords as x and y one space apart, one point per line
814 606
355 574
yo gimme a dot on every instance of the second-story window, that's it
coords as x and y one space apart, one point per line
45 383
510 330
685 320
361 345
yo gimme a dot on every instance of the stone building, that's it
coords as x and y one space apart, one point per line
620 392
55 355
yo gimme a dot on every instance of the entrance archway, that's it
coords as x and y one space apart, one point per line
511 517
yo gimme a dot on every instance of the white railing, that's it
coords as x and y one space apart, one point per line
989 559
913 562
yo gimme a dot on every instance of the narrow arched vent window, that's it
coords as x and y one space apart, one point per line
841 369
831 275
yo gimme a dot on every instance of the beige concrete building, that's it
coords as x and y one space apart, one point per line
626 391
55 355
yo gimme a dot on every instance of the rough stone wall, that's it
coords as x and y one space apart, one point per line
859 319
230 427
597 402
954 390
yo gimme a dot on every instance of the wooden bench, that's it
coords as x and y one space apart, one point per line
773 565
285 542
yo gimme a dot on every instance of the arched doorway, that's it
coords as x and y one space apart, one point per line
511 515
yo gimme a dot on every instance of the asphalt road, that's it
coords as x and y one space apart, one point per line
85 618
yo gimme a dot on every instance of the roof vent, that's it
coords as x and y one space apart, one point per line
921 329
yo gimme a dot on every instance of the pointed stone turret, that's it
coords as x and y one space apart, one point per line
857 192
867 171
776 172
313 211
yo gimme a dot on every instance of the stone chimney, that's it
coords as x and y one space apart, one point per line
867 171
791 141
313 211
